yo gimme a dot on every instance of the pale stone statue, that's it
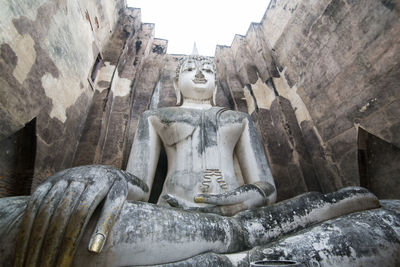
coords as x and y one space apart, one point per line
214 210
204 144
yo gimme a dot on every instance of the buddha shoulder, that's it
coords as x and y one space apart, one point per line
192 117
233 117
173 124
173 115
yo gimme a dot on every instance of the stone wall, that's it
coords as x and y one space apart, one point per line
379 166
47 50
311 73
131 70
329 68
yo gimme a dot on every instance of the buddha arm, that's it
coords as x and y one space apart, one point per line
144 156
252 160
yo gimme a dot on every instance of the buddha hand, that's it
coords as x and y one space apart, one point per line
242 198
60 208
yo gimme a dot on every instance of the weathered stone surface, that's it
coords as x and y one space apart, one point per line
17 161
324 167
166 93
144 85
345 76
227 74
378 165
129 22
125 80
333 63
54 153
91 137
136 48
337 63
312 74
207 259
47 52
341 243
344 153
224 96
276 18
111 87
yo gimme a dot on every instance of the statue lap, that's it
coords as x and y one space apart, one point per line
359 238
364 238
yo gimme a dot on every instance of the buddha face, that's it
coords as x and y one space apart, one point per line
196 78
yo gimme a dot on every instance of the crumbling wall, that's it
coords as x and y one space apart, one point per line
330 67
131 68
379 166
47 50
344 63
311 73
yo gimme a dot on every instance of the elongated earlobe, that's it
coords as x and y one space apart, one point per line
177 91
178 97
214 99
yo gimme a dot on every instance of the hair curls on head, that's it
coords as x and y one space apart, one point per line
203 59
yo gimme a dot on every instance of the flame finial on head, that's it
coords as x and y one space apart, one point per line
194 50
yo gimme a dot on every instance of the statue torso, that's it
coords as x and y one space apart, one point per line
200 149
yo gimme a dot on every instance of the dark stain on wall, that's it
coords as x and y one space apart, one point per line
9 57
138 44
379 167
8 61
159 177
158 49
390 4
17 161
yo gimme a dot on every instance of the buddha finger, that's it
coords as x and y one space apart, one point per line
172 201
175 202
235 196
135 181
218 199
59 222
61 174
111 209
209 209
26 225
88 202
224 210
41 222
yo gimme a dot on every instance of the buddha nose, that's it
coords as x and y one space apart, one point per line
199 74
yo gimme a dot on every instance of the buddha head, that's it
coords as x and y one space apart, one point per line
195 79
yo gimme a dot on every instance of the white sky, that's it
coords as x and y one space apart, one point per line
206 22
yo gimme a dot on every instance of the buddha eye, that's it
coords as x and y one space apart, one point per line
208 70
189 67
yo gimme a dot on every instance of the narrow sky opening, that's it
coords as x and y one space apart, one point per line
206 22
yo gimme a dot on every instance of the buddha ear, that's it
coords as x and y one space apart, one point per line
177 91
214 99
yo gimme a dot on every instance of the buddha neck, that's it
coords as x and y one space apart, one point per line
196 103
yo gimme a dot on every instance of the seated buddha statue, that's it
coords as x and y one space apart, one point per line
216 206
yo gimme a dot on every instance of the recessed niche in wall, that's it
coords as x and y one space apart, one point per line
379 165
17 161
95 70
